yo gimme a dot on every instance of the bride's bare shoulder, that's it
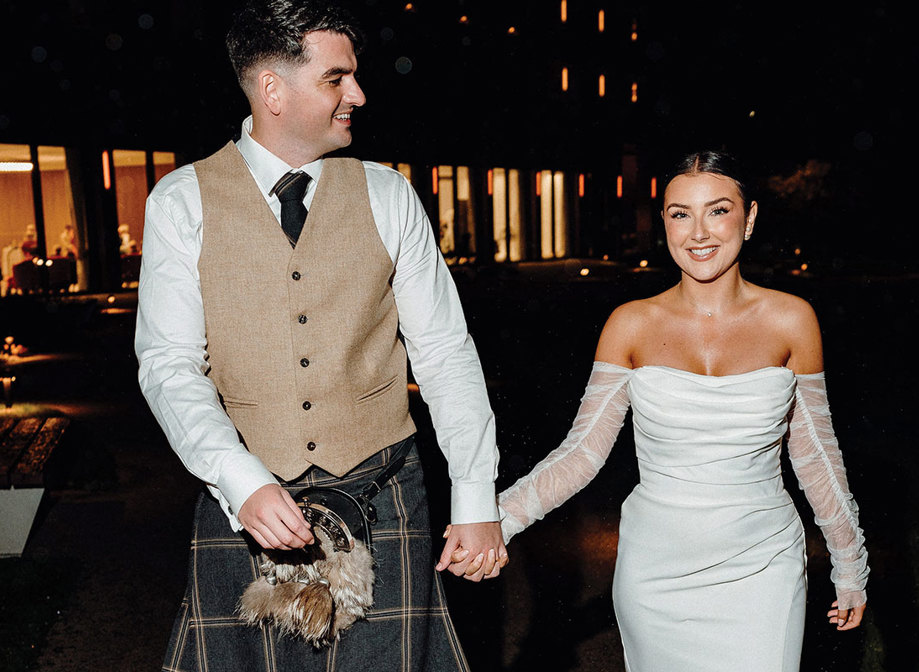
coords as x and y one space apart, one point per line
796 324
625 326
788 311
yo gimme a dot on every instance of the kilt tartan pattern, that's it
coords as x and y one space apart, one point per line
408 628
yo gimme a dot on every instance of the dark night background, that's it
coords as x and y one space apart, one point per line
829 87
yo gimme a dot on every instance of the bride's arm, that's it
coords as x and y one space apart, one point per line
818 465
572 465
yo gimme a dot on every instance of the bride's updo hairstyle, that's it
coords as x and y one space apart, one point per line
717 163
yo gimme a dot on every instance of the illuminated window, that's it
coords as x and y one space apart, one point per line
456 218
601 86
581 185
653 187
553 214
131 196
619 186
506 214
560 214
163 163
634 35
465 216
17 216
57 203
601 21
21 231
634 92
564 79
405 169
564 11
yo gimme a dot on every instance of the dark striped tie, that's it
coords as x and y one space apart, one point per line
290 190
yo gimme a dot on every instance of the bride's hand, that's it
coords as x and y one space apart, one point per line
492 562
845 619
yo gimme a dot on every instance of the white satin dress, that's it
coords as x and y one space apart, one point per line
710 542
710 573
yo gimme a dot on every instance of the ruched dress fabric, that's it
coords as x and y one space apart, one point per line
710 572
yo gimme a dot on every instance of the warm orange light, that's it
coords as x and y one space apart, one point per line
538 182
409 7
584 272
434 180
634 31
643 263
634 92
16 167
564 11
581 184
511 30
653 187
464 19
619 186
106 171
601 86
491 182
803 267
564 79
601 21
797 251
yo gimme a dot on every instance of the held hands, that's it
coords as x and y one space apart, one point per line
845 619
274 520
474 551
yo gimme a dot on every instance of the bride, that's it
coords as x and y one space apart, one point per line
710 571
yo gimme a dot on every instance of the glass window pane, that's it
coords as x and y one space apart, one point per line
17 216
546 246
499 212
465 216
560 214
61 232
131 196
446 215
515 212
405 169
163 163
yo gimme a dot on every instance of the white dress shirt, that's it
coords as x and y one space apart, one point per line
170 339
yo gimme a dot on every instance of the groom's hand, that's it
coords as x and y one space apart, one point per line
473 551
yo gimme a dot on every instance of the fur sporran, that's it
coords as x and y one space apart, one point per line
320 590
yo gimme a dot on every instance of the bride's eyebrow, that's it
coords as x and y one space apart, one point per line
707 205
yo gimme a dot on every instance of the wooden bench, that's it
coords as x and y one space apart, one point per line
26 448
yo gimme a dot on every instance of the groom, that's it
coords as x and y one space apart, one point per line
271 353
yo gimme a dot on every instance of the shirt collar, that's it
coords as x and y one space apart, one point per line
265 167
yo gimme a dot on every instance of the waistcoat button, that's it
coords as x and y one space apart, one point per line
304 362
295 275
311 446
307 405
302 319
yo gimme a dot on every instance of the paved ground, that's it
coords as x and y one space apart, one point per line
121 527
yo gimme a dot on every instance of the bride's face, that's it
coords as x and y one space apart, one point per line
706 223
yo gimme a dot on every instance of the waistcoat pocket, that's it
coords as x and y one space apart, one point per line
377 391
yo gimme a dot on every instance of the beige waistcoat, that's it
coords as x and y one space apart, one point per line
302 343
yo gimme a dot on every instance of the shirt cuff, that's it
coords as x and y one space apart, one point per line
240 476
473 503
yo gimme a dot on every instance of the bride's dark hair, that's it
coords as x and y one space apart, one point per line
717 163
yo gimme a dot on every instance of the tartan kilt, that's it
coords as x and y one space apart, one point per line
408 627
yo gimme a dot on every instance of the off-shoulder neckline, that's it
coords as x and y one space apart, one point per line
705 375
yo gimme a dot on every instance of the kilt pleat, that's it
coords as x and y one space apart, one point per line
409 627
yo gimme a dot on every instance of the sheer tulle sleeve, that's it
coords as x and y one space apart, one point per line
572 465
817 463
